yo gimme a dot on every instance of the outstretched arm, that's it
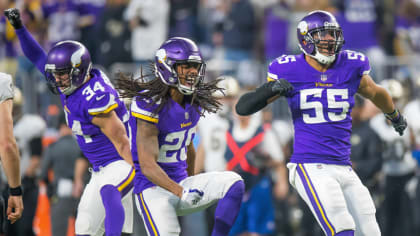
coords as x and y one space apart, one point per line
30 47
256 100
383 100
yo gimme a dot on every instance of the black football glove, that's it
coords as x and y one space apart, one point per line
281 87
13 15
398 121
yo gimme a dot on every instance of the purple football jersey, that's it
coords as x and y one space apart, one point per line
177 127
321 104
97 96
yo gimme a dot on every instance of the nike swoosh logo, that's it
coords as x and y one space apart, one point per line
100 97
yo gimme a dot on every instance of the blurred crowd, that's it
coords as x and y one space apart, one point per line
238 38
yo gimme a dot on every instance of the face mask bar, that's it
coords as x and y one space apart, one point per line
328 40
192 79
54 85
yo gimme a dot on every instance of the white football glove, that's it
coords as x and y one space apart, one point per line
191 196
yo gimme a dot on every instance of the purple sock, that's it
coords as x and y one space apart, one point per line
114 210
346 233
227 209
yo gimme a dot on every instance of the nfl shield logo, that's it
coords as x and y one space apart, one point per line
323 77
187 116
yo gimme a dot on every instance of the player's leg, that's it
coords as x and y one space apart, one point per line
90 212
319 188
226 187
116 188
360 204
114 210
157 209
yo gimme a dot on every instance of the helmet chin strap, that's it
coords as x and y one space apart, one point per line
325 60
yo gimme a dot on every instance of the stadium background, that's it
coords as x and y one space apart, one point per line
238 38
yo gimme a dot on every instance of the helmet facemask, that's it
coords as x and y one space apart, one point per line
327 43
66 85
190 74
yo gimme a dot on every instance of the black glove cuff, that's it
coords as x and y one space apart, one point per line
16 191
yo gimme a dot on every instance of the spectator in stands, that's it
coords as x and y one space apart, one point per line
149 28
399 168
362 23
61 157
366 148
113 36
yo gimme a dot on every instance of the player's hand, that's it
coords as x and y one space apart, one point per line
13 15
281 87
14 208
191 196
398 121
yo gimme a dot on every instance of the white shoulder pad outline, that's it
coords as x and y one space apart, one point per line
111 105
140 113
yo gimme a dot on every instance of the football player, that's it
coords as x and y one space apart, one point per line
164 116
320 85
99 120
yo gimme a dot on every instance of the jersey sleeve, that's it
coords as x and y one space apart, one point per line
272 71
143 109
364 65
101 103
6 87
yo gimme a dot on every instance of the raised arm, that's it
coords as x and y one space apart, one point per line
30 47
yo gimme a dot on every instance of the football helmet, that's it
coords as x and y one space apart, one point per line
68 57
177 51
230 87
320 36
394 87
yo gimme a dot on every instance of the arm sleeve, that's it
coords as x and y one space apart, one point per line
254 101
32 49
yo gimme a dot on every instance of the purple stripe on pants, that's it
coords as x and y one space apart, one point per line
313 197
147 216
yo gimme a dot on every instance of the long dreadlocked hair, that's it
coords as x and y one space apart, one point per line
148 86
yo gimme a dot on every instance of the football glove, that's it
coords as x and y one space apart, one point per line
191 196
281 87
13 15
397 120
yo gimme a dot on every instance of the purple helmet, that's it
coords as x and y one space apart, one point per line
68 57
176 51
313 32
